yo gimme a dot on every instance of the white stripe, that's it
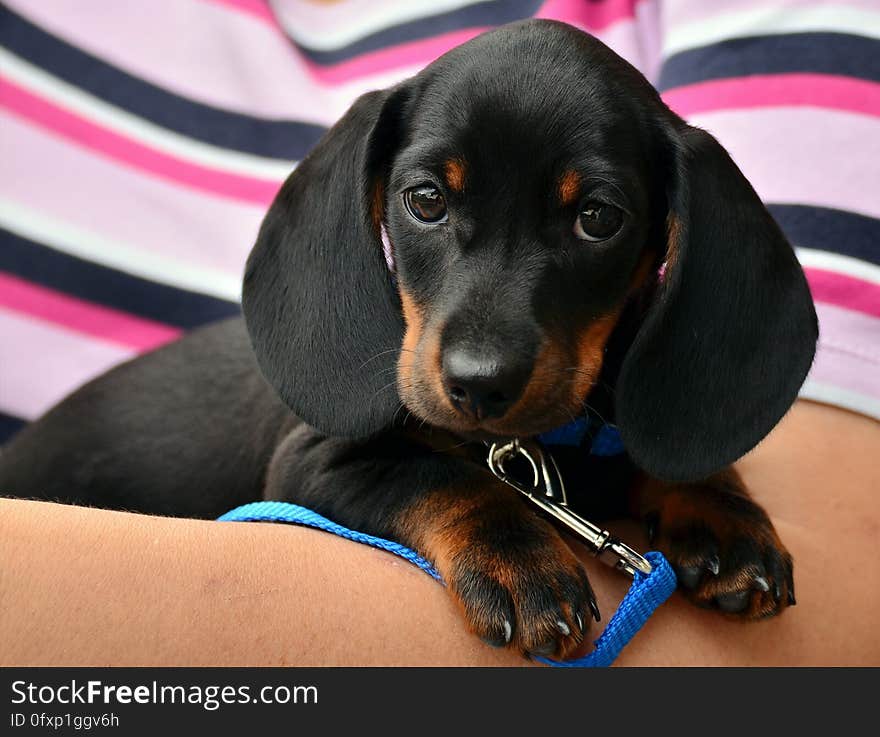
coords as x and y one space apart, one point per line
769 20
70 239
120 121
813 258
828 394
354 23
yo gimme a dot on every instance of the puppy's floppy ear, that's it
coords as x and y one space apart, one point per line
320 305
730 337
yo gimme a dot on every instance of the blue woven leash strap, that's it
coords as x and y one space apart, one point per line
286 512
647 592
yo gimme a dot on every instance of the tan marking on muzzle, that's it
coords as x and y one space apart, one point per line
589 351
414 321
546 373
591 342
420 346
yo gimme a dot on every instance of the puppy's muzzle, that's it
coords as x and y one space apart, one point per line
483 383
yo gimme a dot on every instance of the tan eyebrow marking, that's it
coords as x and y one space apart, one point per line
454 169
569 186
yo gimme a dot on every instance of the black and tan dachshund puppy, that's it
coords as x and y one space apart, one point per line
555 240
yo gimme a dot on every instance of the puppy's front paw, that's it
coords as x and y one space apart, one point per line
523 587
723 547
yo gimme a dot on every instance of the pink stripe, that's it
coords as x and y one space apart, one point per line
84 317
592 16
844 291
255 8
45 362
804 155
777 90
149 215
106 142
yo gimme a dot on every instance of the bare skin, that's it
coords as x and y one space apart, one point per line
90 587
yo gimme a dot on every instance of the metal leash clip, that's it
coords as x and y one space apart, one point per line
547 491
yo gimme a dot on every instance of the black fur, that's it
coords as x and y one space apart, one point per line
317 272
699 366
729 340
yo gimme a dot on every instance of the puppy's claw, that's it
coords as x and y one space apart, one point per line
722 546
563 627
503 639
594 609
713 565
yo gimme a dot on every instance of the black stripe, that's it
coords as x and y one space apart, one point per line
9 425
826 229
489 13
109 287
819 53
280 139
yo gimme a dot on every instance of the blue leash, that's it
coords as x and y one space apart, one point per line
647 592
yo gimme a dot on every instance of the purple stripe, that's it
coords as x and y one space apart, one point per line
113 288
843 54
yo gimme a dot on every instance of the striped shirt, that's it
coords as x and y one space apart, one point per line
142 142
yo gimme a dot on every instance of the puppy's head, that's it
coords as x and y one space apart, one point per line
527 185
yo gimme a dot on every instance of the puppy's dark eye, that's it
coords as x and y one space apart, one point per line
597 221
425 203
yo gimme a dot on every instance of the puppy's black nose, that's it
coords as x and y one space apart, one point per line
483 383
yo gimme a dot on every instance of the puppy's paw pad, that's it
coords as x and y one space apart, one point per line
731 562
536 600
